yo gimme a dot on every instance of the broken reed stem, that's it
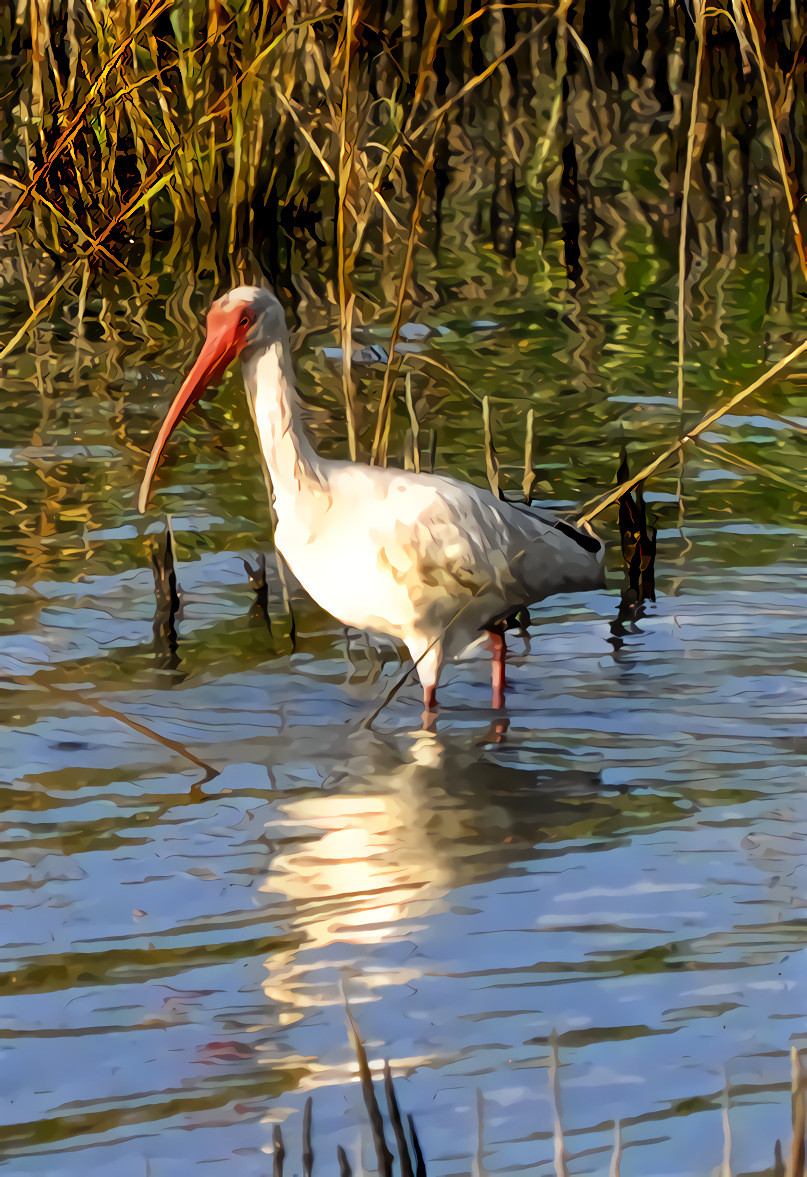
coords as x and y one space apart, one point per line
383 1155
599 503
480 1169
174 745
725 1168
26 281
36 314
787 183
279 1152
561 1156
433 363
616 1155
308 1152
82 300
795 1166
394 1112
682 237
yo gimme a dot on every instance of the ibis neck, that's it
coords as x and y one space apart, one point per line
290 460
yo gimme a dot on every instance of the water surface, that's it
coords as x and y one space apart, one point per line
205 852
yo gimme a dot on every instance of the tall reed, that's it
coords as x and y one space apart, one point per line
355 133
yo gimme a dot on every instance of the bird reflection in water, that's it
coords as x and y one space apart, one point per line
369 857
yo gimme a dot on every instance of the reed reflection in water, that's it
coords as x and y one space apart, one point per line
621 867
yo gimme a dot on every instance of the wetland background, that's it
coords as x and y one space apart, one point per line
201 847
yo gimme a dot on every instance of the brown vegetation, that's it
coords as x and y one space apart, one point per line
221 137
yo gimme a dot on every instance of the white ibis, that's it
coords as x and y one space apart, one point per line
431 561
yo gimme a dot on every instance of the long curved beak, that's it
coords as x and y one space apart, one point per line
223 342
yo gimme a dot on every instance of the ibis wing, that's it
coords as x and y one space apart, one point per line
459 545
503 550
447 543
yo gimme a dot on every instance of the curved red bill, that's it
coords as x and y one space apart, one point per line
226 335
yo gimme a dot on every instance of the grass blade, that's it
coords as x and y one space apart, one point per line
394 1111
383 1154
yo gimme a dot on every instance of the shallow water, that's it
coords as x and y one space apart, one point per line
204 852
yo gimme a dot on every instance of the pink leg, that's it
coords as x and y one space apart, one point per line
428 658
497 669
429 718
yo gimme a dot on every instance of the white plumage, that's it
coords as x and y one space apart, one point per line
431 561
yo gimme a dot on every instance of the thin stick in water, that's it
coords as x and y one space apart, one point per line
308 1152
280 1152
682 239
383 1154
379 452
561 1156
616 1155
602 501
420 1164
415 424
491 461
529 457
725 1168
479 1159
394 1111
795 1167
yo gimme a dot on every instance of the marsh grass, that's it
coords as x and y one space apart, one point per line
147 136
395 1145
142 139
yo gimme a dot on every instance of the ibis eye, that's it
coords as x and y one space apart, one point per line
245 321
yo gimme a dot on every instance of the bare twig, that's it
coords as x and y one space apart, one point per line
491 460
599 504
700 33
